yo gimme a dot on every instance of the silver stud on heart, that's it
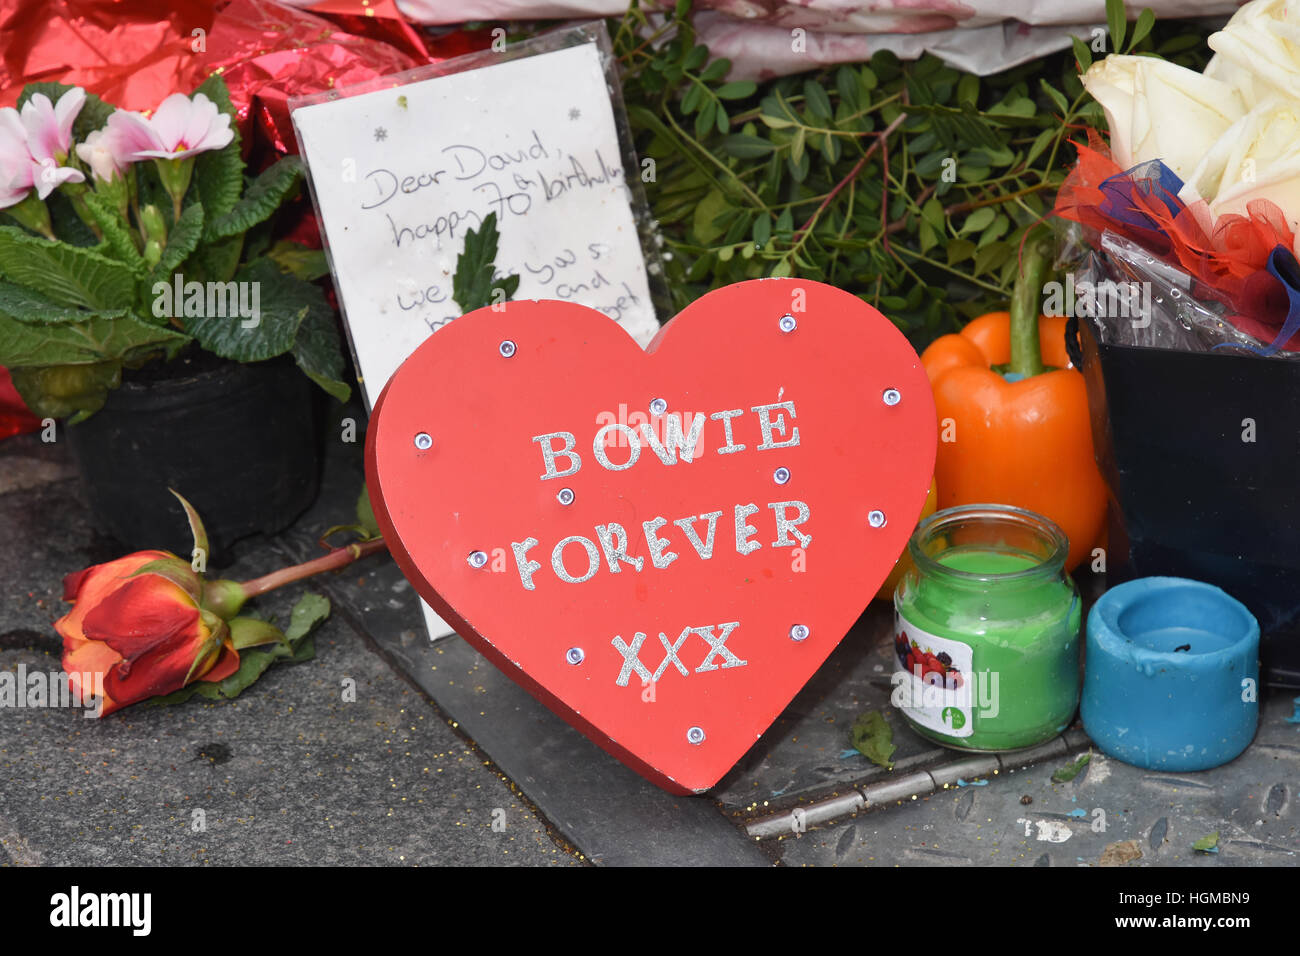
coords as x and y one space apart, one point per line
695 735
565 496
781 475
892 396
876 519
506 348
799 632
788 323
423 441
477 559
658 406
575 655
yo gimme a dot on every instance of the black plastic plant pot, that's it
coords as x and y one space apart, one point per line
240 442
1201 452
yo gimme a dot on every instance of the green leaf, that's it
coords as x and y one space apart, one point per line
282 301
927 238
691 101
260 201
475 284
1071 770
1082 54
1056 96
182 239
215 261
817 100
704 118
932 212
743 146
978 220
74 392
1207 844
95 338
959 250
219 174
298 260
69 275
119 242
872 737
248 632
991 256
846 84
26 305
1117 21
797 147
366 513
695 58
307 615
1145 21
1040 144
710 208
716 70
319 352
736 91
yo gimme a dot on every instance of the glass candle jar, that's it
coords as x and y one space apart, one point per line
986 630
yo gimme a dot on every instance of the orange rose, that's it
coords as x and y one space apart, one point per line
141 634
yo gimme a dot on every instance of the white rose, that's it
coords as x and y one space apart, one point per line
1158 110
1257 158
1258 51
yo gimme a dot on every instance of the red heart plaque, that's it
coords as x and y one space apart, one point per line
662 545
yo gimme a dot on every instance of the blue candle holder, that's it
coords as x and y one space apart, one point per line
1171 678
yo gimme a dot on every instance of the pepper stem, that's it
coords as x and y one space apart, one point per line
338 558
1026 351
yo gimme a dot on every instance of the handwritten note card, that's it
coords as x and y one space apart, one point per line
400 174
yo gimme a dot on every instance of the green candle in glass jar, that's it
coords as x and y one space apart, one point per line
986 633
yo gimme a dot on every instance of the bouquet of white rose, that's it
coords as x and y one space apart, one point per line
1202 174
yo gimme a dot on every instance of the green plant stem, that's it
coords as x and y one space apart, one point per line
338 558
1026 350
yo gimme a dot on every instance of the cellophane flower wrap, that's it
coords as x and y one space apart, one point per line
1195 200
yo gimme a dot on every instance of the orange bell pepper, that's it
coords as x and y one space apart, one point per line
1020 436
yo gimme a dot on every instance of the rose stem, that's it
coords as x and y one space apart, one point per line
338 558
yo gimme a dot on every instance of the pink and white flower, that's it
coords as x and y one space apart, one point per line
34 145
49 126
178 129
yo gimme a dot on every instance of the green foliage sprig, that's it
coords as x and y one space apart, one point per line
909 184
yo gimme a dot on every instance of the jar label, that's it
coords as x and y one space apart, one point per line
933 679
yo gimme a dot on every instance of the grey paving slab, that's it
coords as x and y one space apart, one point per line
1251 802
289 773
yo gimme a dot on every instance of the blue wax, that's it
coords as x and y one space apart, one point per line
1171 677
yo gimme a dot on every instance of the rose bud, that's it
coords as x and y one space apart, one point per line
137 625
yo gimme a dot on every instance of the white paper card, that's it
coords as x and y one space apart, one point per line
400 174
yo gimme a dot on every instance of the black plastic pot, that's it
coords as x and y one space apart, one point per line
241 442
1191 496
